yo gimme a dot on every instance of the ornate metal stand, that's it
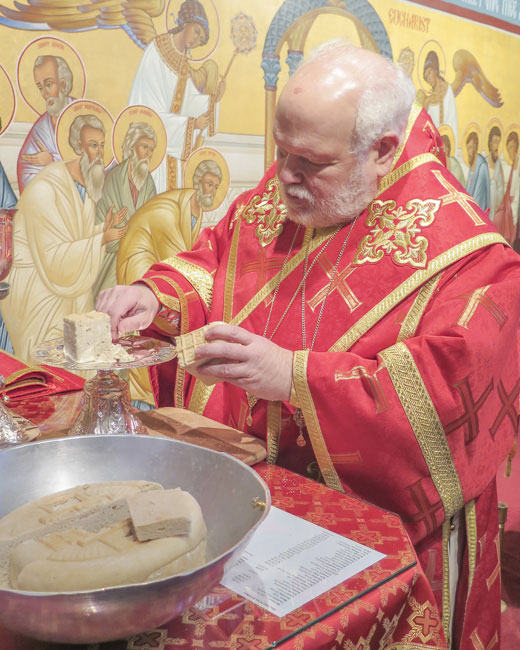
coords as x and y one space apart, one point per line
106 397
11 429
106 407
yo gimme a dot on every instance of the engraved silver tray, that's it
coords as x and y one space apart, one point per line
147 352
228 491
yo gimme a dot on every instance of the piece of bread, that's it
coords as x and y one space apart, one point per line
74 560
87 339
163 513
186 344
91 507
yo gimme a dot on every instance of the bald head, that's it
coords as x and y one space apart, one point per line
342 108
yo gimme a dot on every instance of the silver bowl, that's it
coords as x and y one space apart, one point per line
226 489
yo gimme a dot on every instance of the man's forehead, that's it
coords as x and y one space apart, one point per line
48 68
146 140
92 133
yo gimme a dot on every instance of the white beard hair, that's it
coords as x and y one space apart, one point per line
350 200
93 175
57 105
139 170
204 200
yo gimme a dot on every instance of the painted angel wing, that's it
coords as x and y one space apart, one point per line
134 16
468 70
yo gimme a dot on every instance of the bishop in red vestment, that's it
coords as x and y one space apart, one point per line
400 324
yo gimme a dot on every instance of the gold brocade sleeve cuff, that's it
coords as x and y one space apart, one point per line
293 398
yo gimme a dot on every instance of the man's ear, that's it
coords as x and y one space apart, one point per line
384 150
62 85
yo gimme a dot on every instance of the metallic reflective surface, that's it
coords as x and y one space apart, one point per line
145 350
224 487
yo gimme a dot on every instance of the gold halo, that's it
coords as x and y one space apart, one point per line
494 121
204 51
445 129
83 107
206 153
472 126
510 128
436 47
8 100
43 46
139 113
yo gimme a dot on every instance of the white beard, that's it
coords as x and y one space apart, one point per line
55 105
94 176
350 200
138 170
204 200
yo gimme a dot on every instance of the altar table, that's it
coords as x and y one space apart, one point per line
389 606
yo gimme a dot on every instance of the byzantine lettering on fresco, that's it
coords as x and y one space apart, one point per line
184 126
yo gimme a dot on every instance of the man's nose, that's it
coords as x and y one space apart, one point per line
288 170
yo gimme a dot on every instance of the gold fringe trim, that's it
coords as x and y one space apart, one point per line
199 278
274 429
312 423
446 601
426 425
418 278
471 539
411 322
414 114
407 167
230 275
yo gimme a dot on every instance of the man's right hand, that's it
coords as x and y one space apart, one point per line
41 158
129 307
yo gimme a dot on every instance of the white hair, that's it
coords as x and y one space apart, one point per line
387 92
77 125
205 167
136 131
64 72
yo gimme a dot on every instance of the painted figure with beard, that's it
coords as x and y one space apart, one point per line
477 183
364 313
496 174
167 225
53 78
128 185
185 97
58 248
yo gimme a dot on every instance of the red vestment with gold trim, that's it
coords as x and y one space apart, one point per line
410 393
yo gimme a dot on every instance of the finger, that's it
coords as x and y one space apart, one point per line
229 333
224 369
220 349
137 321
41 146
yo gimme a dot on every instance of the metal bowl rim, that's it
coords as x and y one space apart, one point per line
134 585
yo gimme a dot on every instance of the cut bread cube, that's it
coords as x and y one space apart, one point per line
166 513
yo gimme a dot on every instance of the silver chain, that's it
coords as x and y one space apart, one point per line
331 281
302 281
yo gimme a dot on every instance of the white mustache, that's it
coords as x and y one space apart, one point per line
298 192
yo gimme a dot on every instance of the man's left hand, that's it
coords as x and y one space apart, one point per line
248 361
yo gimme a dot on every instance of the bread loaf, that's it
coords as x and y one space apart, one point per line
74 560
82 538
